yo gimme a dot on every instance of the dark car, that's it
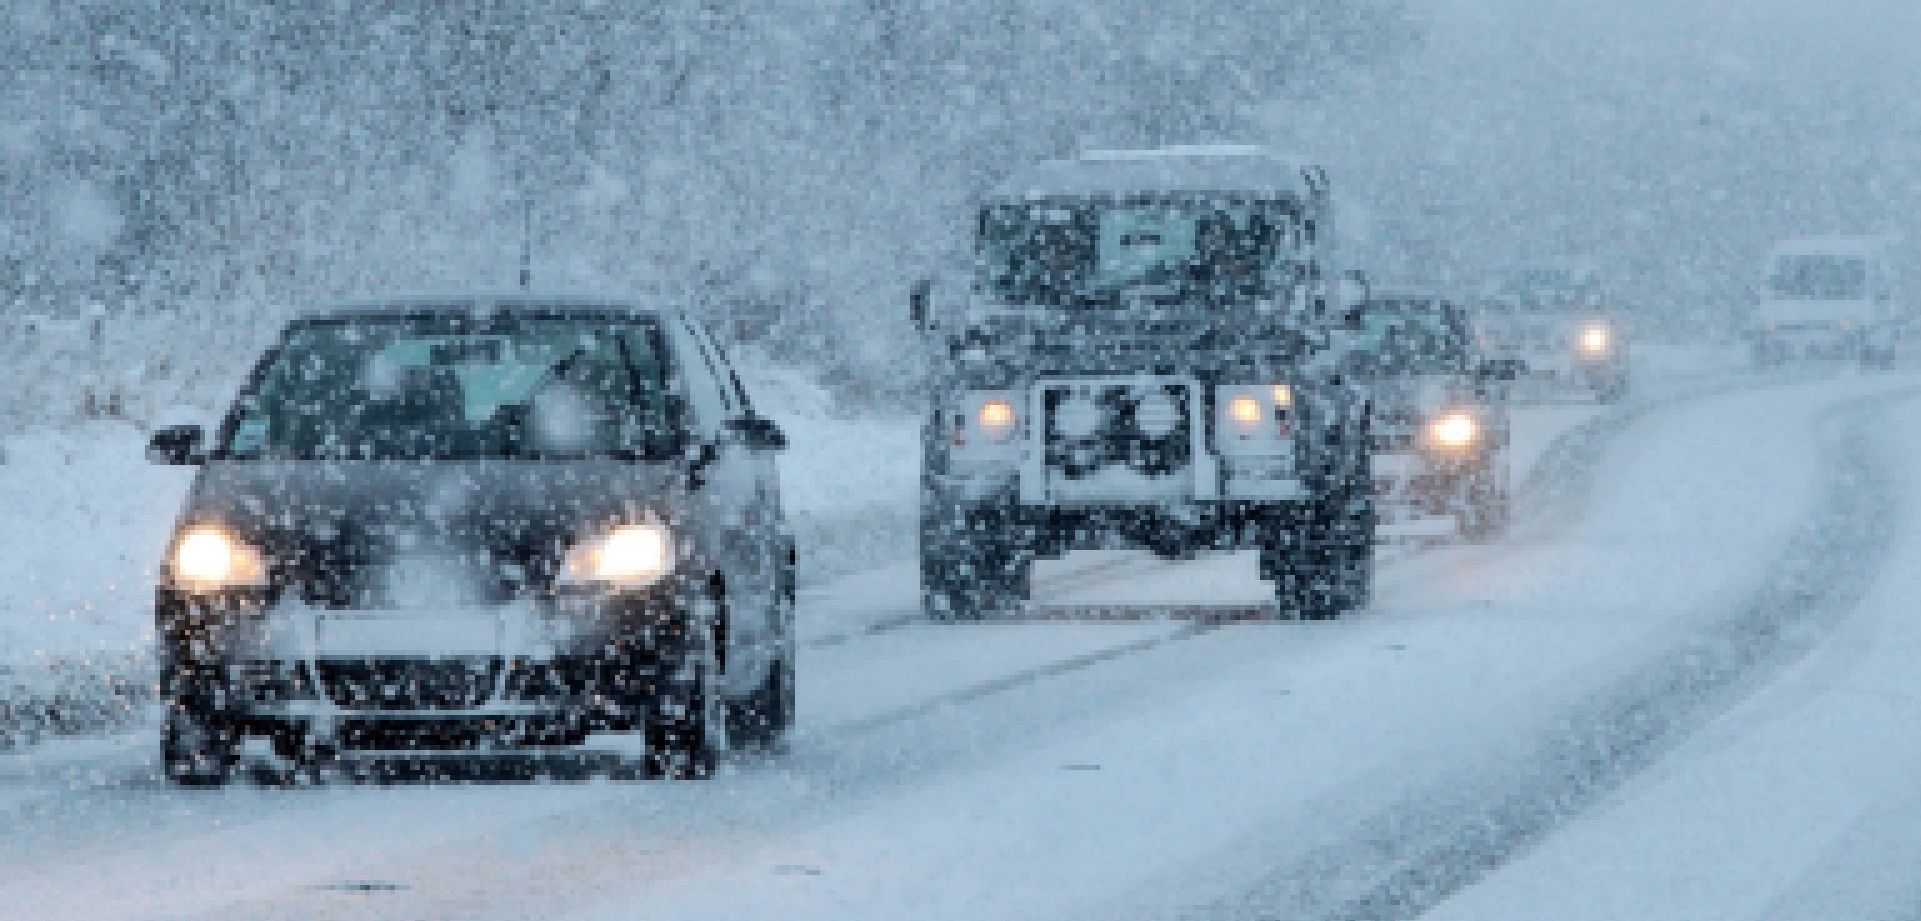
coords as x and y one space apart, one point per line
479 527
1439 424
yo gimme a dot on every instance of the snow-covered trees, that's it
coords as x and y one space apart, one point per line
789 163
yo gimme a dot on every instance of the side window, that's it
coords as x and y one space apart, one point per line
706 402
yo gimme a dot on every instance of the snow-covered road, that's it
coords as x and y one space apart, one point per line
1179 768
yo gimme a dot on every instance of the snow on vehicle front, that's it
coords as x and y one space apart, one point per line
1440 424
458 531
1135 365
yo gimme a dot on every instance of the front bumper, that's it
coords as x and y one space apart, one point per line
550 672
1418 494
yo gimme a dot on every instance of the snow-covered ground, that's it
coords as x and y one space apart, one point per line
1798 803
1145 768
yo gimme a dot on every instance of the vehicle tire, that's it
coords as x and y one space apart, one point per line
972 567
1325 568
197 749
1611 390
689 730
1488 511
1317 579
762 719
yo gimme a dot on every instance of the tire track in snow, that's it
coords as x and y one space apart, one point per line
858 760
1413 855
1565 468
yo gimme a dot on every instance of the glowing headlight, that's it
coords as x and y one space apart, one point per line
1454 431
629 556
1596 340
206 558
997 419
1253 417
1245 411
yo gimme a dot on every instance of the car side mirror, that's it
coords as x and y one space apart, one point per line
757 433
177 445
919 300
1501 369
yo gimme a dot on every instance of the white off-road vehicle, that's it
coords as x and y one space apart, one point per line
1146 355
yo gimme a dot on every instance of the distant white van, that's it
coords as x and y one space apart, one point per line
1829 297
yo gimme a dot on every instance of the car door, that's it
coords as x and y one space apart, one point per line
724 501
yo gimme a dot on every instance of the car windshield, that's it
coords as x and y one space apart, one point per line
1081 252
1410 340
1540 290
1820 278
447 387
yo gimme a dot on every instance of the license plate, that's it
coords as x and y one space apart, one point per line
464 634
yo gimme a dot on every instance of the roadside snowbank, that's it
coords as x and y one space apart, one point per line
849 482
85 522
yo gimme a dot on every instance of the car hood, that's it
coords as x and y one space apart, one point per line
340 532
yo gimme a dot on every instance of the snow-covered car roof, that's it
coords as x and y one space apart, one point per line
1231 169
490 302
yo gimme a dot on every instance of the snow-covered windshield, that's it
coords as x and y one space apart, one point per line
446 387
1819 278
1410 339
1081 252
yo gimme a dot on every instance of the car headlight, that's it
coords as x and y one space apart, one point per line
629 556
206 558
1596 340
1454 431
1253 417
1246 411
997 419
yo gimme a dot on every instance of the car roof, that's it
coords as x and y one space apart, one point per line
508 302
1224 168
1408 295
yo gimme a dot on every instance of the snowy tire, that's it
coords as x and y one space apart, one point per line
686 739
1488 512
196 750
763 719
1326 568
972 567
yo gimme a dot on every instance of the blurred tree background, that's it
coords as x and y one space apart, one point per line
192 169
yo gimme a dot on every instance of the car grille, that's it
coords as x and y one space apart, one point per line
1395 428
1147 428
409 684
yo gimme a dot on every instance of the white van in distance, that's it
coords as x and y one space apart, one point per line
1829 297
